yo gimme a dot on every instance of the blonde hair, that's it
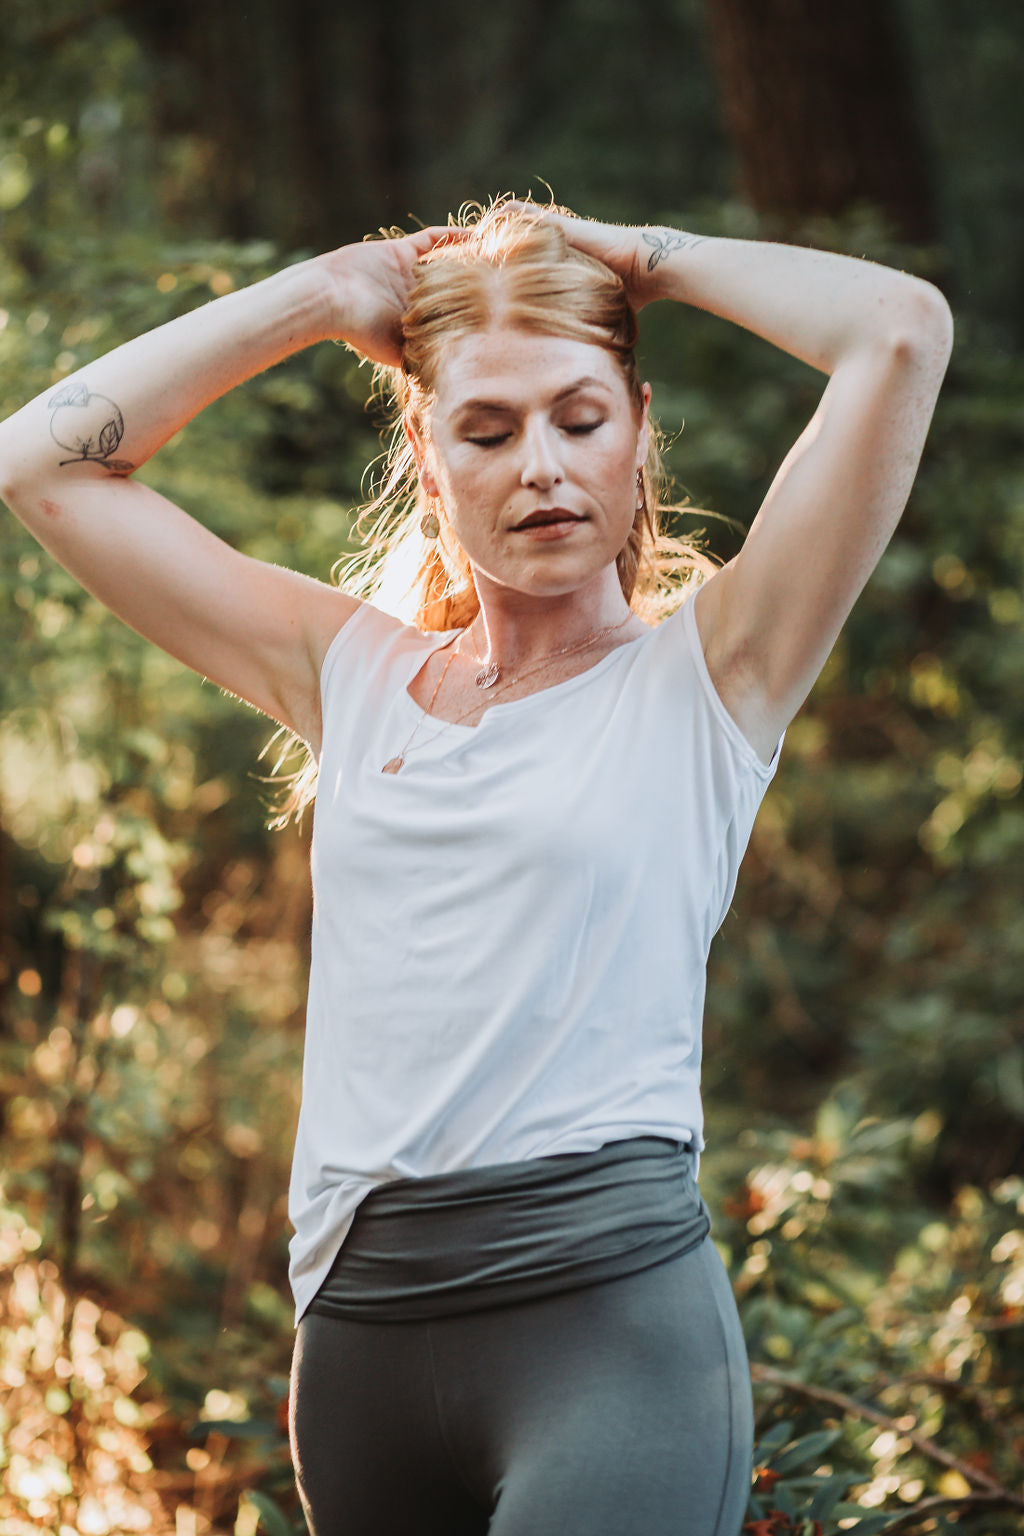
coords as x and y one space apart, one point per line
510 264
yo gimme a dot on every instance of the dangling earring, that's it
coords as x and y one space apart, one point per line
641 492
430 523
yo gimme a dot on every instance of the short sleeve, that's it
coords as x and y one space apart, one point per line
742 748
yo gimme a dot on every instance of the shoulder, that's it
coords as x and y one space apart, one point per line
369 643
349 642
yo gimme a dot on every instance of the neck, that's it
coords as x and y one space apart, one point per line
514 628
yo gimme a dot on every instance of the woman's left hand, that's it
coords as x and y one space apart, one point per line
637 253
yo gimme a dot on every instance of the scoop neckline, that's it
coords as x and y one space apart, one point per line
566 685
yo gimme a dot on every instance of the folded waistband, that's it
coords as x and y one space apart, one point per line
511 1232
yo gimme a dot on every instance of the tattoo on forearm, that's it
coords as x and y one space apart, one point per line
664 241
89 426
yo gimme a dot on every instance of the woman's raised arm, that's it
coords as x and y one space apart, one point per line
769 618
66 460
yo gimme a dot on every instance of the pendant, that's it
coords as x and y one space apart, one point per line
488 676
392 765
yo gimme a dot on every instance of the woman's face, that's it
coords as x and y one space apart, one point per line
534 450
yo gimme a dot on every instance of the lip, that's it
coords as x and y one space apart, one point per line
546 519
547 532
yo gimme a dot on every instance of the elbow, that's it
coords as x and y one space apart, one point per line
14 489
21 473
12 467
9 479
922 336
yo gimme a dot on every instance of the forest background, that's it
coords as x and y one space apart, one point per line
864 1047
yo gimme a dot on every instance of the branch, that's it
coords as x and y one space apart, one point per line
966 1392
927 1447
928 1507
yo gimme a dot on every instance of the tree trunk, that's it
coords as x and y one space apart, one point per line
818 103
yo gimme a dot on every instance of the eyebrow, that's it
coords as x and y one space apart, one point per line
575 388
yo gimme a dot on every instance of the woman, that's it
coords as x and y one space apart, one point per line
531 809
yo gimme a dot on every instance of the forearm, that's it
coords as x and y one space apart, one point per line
816 305
114 413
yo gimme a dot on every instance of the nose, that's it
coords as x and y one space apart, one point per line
542 463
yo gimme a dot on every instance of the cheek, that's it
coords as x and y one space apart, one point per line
474 503
466 490
619 476
460 469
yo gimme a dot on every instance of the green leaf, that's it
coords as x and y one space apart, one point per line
784 1500
775 1437
806 1450
272 1517
827 1497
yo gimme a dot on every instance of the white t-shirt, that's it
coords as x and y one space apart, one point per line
510 935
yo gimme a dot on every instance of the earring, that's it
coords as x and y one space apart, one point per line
430 523
641 492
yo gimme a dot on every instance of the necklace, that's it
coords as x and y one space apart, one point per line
393 764
396 763
491 671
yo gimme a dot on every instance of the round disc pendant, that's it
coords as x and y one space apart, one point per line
488 676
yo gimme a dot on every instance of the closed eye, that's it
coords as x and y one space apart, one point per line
574 429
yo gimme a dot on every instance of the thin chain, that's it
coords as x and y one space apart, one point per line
395 763
490 672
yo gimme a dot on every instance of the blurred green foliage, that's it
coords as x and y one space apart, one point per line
865 1050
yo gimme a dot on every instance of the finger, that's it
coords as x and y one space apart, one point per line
608 242
425 240
586 234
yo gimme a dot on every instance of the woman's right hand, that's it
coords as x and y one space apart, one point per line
257 629
370 287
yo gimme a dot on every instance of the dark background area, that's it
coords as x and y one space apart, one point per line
864 1065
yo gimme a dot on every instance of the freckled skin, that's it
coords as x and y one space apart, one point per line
541 447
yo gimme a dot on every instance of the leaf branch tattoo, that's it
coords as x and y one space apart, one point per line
664 241
89 426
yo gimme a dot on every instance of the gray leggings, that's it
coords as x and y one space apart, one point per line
617 1409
